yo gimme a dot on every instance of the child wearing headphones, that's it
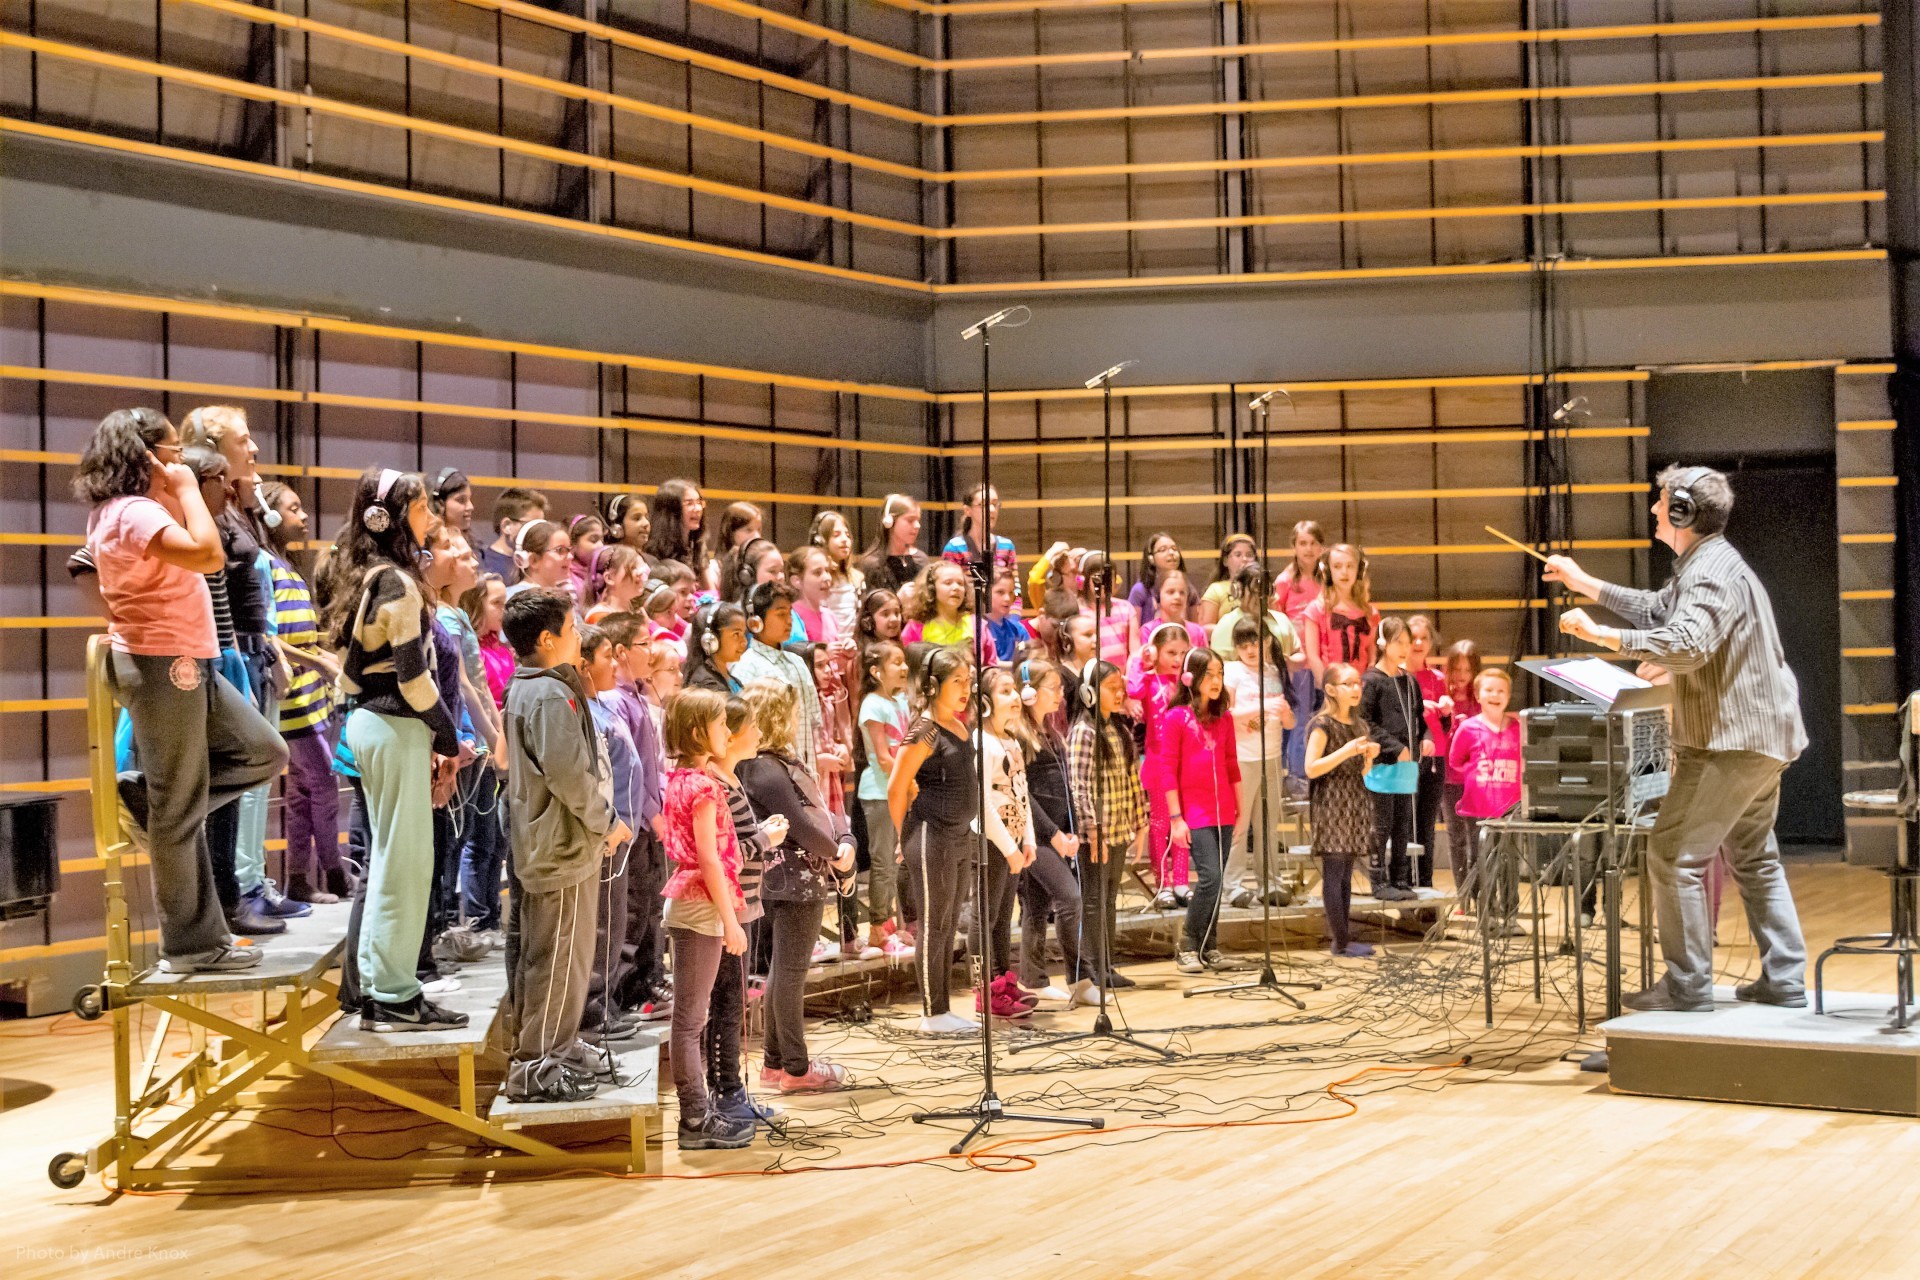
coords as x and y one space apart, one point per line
1048 886
1262 715
811 574
893 561
1390 701
831 533
1340 622
880 618
673 623
1120 631
588 535
628 524
715 643
933 798
1152 686
1103 776
1010 831
1200 774
883 730
942 610
640 981
512 509
1005 631
544 555
619 579
599 664
770 626
1486 755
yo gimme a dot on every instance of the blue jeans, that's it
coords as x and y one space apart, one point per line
1302 697
482 850
1206 856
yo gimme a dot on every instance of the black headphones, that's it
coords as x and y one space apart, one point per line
440 488
1681 510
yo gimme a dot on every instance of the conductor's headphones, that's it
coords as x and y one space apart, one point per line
1681 508
521 556
375 516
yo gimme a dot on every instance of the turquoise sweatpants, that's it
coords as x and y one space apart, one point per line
395 759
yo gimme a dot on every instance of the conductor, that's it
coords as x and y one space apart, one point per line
1736 727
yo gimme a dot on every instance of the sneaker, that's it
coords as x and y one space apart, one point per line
1215 958
1117 981
715 1132
1586 919
824 951
738 1104
1393 893
1008 985
655 1011
300 889
245 922
1164 900
227 959
267 899
460 945
1760 991
850 949
1278 897
620 1026
1353 951
1004 1006
947 1024
440 986
821 1077
1054 991
417 1014
1241 898
1189 962
1659 998
770 1077
894 949
1083 992
561 1086
1182 894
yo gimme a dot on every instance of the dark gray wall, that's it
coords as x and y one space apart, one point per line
74 214
1415 328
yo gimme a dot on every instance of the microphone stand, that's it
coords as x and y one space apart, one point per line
988 1108
1102 589
1267 982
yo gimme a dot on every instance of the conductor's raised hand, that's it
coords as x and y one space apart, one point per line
1567 571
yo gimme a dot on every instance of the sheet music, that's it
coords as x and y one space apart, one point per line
1597 677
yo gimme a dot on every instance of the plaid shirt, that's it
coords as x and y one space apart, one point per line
1106 785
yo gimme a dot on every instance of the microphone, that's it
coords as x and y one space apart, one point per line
1110 374
1003 316
1573 407
1259 402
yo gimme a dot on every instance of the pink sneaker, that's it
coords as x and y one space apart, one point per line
1005 1007
771 1077
894 949
822 1077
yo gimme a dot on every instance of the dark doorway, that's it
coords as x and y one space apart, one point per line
1773 434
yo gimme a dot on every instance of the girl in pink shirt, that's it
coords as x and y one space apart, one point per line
1298 584
1152 688
1486 754
1341 620
1200 778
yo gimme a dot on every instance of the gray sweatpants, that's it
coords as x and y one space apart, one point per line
1730 799
201 745
552 961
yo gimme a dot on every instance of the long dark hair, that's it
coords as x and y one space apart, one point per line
892 508
1186 693
1087 707
739 566
870 603
709 619
939 667
119 458
364 546
1149 575
669 539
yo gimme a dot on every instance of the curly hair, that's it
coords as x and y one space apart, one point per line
119 457
362 547
925 601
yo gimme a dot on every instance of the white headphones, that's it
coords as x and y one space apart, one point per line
1028 693
887 513
1089 692
376 517
520 556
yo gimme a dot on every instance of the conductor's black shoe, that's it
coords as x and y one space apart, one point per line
1659 999
1760 991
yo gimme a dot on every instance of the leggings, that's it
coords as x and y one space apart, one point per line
795 926
999 913
696 960
1392 829
883 875
1049 886
310 813
1304 696
1336 892
726 1008
1170 860
1426 810
943 865
1100 893
1202 926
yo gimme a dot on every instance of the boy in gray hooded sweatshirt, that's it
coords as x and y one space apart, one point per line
561 825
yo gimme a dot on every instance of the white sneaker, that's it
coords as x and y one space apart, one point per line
1427 893
1084 992
440 986
1053 991
947 1024
824 951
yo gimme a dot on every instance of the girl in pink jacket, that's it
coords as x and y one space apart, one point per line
1152 688
1200 779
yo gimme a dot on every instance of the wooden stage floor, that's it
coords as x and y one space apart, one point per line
1353 1140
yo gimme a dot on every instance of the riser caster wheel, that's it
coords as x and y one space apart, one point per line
89 1003
67 1170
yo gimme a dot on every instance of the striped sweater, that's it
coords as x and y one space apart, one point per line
389 661
308 700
